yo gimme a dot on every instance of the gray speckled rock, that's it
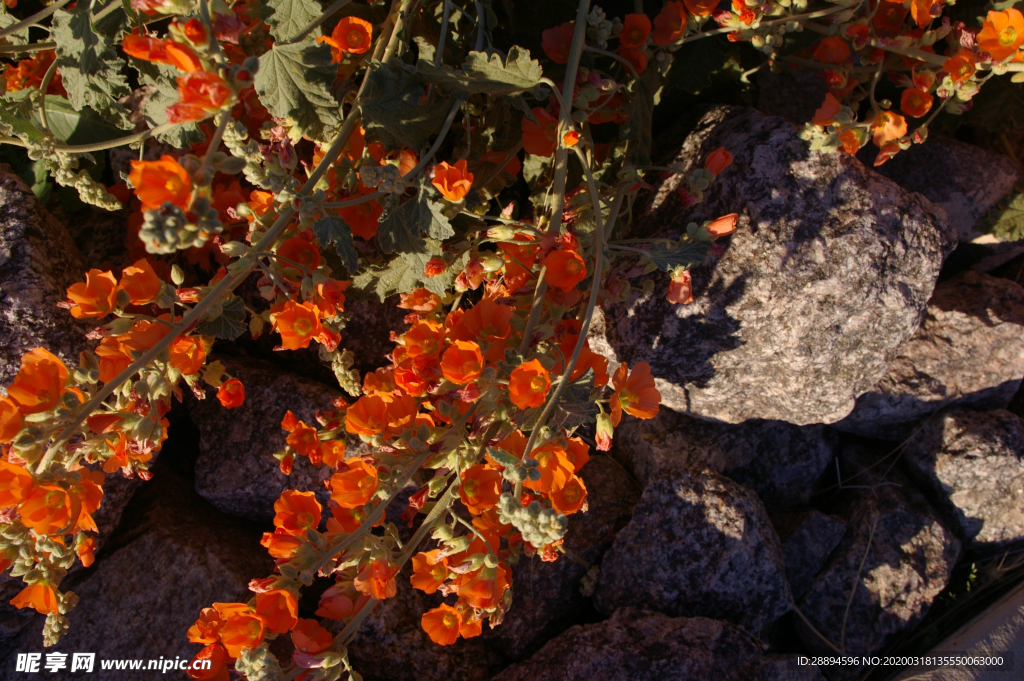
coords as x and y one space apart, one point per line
965 180
826 278
635 645
971 465
807 539
968 352
236 470
779 461
896 554
173 556
547 596
698 545
38 261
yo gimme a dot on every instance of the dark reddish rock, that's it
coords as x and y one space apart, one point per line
826 278
635 645
971 466
807 540
236 470
698 545
969 352
780 461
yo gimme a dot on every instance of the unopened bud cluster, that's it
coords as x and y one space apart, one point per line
539 526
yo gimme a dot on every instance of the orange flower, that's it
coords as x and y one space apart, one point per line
577 452
377 580
483 588
297 512
462 362
635 394
352 35
717 161
280 544
332 452
157 182
301 252
207 626
850 140
540 138
188 355
555 469
428 571
41 597
915 103
15 484
419 300
145 334
303 439
960 67
175 54
309 637
354 485
346 520
488 320
670 25
88 493
571 497
297 323
85 547
366 416
680 289
46 509
635 30
528 384
40 382
832 50
424 338
635 56
557 42
201 93
453 181
231 393
565 269
242 629
442 624
217 657
95 297
332 297
826 113
10 422
480 489
723 226
140 282
363 218
701 8
888 127
1002 33
278 609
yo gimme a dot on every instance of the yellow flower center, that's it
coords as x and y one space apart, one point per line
355 38
450 621
572 494
44 396
304 519
635 36
302 327
537 384
173 184
574 266
1008 36
437 573
55 499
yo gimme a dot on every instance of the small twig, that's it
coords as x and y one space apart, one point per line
856 581
34 19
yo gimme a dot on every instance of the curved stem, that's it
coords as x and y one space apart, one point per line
606 53
21 49
99 146
43 85
34 19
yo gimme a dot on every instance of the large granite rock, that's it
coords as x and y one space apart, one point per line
971 465
38 261
635 645
896 555
826 278
236 470
698 545
968 352
172 557
807 540
780 461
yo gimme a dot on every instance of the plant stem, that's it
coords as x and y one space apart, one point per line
34 19
99 146
316 22
20 49
43 85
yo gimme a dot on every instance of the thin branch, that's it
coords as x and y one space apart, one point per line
34 19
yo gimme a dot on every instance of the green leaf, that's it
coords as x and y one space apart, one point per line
1006 220
487 74
687 252
401 230
397 110
637 128
294 81
287 18
230 324
77 127
89 65
21 126
18 37
334 230
405 273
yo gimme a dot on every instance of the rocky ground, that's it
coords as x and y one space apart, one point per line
838 434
